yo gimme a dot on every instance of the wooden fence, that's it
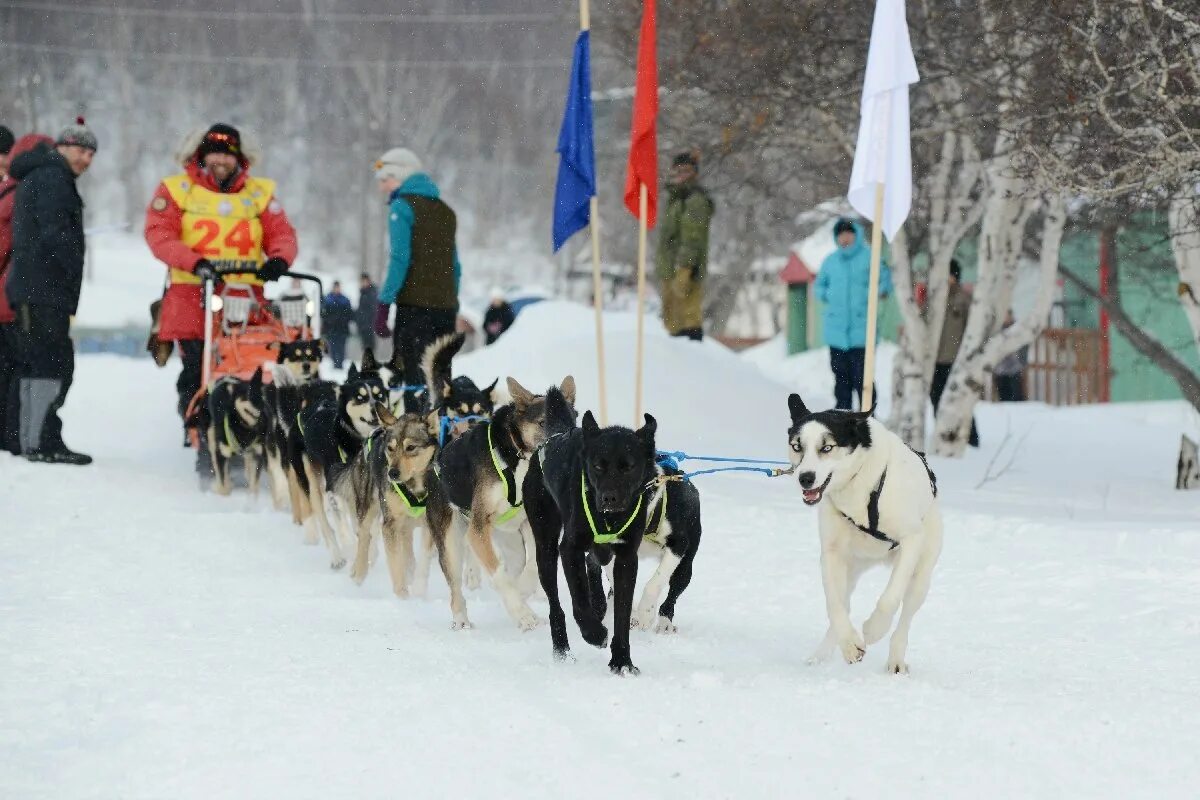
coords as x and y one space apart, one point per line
1066 368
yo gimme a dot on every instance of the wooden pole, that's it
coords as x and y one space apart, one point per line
643 203
598 305
585 22
868 390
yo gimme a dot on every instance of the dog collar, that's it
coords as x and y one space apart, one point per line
415 505
609 537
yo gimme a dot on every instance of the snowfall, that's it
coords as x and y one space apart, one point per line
156 642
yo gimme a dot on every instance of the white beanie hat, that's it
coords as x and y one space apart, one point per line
399 163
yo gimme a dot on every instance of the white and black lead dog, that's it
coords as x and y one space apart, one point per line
880 506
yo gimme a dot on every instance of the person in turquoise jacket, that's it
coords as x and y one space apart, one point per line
842 287
423 272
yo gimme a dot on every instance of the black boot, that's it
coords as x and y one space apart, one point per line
59 455
38 399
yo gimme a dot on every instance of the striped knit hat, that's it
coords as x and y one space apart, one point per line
78 134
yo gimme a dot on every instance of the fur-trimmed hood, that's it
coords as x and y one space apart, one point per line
185 151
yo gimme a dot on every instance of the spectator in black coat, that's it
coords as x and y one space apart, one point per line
44 283
364 315
499 317
336 314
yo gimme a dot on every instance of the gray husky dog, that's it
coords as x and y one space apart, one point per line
482 473
390 486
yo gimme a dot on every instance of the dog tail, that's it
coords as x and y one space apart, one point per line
560 414
436 365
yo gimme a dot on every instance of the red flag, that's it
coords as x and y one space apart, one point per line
643 144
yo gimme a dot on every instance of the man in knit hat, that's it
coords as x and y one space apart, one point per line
423 271
214 218
43 286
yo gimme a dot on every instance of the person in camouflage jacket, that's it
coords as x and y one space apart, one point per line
683 249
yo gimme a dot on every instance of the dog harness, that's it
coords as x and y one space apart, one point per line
872 526
508 477
413 504
654 524
300 425
609 536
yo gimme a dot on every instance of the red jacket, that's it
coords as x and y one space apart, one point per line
8 197
182 315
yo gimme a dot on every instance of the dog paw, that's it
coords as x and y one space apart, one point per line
853 649
402 593
527 622
897 667
665 625
358 576
876 627
594 634
623 668
642 619
337 564
564 655
461 625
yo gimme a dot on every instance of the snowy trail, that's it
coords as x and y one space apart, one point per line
158 643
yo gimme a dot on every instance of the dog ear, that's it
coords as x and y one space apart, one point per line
447 390
490 391
870 412
434 421
521 396
278 355
797 407
646 433
256 381
369 364
352 375
385 414
590 429
567 387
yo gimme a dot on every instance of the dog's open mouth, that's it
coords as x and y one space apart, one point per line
813 496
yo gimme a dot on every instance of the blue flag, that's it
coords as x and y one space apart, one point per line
577 164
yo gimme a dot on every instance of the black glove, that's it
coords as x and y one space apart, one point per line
204 270
273 269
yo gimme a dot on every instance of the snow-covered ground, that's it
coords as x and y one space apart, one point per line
159 643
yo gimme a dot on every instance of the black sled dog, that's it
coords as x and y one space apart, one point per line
587 497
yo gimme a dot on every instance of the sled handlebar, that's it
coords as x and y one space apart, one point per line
303 276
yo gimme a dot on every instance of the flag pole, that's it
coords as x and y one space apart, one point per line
868 389
585 23
643 213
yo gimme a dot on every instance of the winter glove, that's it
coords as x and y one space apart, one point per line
381 319
204 270
273 269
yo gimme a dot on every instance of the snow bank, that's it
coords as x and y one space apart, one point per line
704 397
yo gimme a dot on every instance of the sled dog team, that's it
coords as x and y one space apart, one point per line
509 491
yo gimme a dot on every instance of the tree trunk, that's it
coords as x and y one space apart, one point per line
984 342
910 385
1184 220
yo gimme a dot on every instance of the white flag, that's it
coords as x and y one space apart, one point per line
883 152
